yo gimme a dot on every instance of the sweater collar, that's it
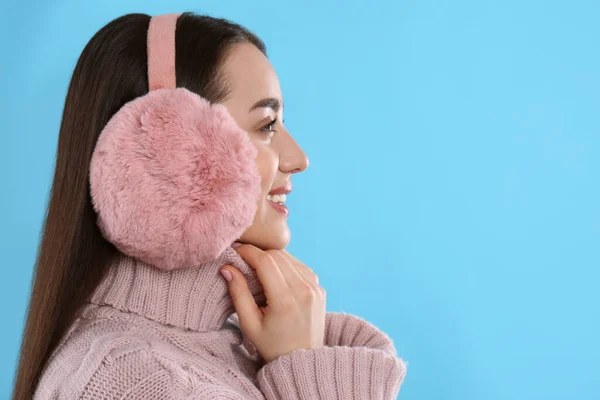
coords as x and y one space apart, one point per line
195 299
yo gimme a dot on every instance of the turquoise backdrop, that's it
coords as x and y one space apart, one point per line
453 196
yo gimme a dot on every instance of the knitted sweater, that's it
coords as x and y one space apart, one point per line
152 334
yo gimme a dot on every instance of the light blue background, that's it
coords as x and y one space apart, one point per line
453 196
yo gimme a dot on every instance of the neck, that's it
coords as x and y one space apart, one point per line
193 298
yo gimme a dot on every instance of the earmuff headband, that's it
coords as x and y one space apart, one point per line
173 178
161 51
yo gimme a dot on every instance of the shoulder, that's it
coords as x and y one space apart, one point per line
133 368
112 355
101 357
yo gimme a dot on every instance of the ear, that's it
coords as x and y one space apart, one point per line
173 179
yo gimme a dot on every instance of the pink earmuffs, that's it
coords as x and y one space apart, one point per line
173 179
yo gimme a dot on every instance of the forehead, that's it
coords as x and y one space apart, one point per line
250 75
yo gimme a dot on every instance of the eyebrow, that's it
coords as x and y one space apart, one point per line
272 103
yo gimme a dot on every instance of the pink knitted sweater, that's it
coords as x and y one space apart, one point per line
152 334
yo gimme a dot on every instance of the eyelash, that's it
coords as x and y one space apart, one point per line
269 127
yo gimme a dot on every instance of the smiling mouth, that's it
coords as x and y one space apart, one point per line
277 198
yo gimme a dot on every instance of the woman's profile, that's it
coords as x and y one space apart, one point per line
162 271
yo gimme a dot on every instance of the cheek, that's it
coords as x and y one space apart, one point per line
268 230
267 163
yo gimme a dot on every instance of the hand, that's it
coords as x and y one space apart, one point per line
294 317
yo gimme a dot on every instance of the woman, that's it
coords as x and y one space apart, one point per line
108 320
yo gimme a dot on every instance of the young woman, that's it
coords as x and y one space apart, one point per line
123 307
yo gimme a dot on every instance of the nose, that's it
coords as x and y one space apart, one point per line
292 158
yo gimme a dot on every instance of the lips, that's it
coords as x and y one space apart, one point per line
285 189
277 197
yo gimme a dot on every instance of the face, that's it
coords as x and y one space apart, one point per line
256 104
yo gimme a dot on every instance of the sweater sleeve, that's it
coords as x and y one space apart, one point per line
357 361
342 329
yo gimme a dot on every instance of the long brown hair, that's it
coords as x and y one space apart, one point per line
73 256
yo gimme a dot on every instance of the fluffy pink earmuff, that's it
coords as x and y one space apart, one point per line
173 179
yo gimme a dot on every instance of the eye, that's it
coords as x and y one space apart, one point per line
269 127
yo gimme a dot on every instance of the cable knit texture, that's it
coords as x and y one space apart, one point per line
154 334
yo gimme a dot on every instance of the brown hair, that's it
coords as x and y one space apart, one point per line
73 256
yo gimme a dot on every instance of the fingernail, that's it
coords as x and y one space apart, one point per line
226 274
235 245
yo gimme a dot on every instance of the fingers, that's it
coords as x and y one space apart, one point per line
292 275
308 273
248 311
281 275
269 274
302 285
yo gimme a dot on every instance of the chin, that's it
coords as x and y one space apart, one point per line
267 237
